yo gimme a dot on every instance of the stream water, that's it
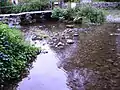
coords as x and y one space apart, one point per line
90 63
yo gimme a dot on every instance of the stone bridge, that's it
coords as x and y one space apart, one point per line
25 17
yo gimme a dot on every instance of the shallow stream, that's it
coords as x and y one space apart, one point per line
91 62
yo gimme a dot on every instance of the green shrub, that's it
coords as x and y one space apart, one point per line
4 3
31 5
69 13
64 14
58 13
92 14
15 56
88 13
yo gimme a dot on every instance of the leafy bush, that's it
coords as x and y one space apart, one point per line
69 13
58 13
89 13
15 56
31 5
64 14
4 3
92 14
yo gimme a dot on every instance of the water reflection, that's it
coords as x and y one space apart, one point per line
45 74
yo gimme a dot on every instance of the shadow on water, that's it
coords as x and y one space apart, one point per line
91 63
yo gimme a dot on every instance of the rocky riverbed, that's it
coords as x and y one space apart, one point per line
90 61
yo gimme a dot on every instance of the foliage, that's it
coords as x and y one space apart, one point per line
4 3
31 5
92 15
65 14
15 56
58 13
69 14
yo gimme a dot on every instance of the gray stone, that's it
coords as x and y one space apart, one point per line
70 30
118 29
78 20
69 26
114 34
110 60
70 41
36 38
60 44
75 35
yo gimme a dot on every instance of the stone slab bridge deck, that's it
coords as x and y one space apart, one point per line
24 13
26 17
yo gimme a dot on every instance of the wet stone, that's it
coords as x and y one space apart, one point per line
69 26
101 48
36 38
70 41
111 34
113 49
118 54
44 51
75 35
110 60
118 29
59 45
98 64
115 64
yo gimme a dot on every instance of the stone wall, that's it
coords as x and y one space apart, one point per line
106 4
102 4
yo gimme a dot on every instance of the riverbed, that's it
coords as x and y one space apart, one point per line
91 62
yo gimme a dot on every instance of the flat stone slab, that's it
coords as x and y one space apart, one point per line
18 14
